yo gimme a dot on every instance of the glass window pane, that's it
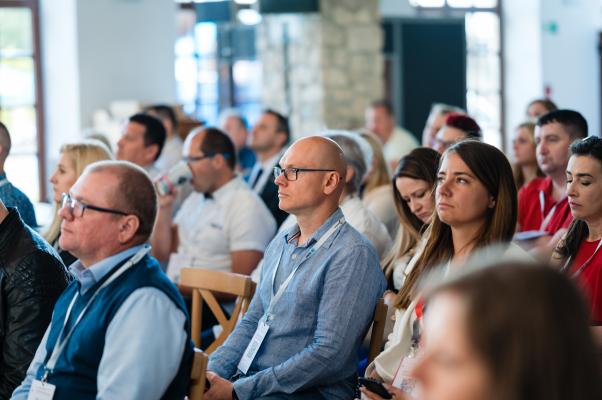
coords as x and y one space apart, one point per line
22 171
483 31
17 82
427 3
485 3
15 32
460 3
21 123
247 81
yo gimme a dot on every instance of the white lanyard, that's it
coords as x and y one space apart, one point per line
3 182
585 264
276 297
60 344
546 218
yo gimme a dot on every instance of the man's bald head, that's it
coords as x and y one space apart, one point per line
322 152
5 143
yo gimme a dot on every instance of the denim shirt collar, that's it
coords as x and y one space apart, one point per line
290 233
88 277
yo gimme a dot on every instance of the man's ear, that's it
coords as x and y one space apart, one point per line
333 180
151 152
128 228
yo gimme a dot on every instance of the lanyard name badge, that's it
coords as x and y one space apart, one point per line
41 389
263 326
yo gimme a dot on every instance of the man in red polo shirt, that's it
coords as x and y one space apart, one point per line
542 204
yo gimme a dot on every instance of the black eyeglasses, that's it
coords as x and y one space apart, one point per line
199 158
291 174
77 208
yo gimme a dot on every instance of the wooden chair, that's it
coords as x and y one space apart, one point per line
203 283
378 329
197 375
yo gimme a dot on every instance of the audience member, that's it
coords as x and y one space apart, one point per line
578 252
306 336
235 125
33 278
141 142
74 158
121 329
10 195
475 202
542 204
539 107
172 148
270 135
397 142
436 120
222 225
476 343
413 184
358 155
525 166
377 194
457 127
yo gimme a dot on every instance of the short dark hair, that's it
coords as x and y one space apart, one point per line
383 103
217 141
164 111
154 131
464 123
571 120
282 125
5 141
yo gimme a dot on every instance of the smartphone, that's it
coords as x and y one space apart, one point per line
375 387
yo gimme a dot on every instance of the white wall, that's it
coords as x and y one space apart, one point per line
98 51
126 51
522 60
570 62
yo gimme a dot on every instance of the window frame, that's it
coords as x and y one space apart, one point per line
38 106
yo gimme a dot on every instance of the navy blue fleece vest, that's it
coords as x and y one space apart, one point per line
76 369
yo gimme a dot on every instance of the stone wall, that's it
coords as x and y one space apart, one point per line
335 64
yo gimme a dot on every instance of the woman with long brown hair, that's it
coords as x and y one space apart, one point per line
476 207
513 331
578 253
412 184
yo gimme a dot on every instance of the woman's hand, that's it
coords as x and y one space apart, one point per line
397 394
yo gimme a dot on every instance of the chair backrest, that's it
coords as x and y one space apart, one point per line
197 375
378 329
203 283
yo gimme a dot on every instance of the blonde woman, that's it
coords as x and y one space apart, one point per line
377 194
74 158
525 167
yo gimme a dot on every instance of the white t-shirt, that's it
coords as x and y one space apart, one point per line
209 230
399 144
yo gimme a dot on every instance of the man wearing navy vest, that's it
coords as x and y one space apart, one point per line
120 330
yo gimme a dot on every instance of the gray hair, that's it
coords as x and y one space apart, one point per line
358 155
442 108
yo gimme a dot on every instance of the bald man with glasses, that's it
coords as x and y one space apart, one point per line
319 285
121 329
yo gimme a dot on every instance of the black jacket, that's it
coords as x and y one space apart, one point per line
32 277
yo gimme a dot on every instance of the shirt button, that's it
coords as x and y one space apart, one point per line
294 257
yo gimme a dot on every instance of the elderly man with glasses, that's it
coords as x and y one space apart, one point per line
121 329
319 285
222 225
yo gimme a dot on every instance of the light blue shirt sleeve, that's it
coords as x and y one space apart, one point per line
144 345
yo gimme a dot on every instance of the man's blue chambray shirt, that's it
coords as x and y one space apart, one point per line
318 323
13 197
